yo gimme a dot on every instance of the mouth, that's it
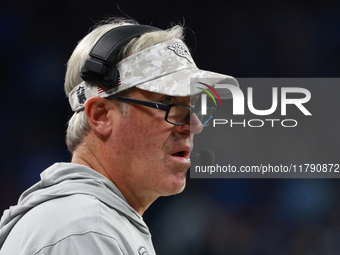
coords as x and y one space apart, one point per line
182 154
180 159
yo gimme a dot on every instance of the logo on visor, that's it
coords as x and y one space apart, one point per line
204 100
81 95
181 50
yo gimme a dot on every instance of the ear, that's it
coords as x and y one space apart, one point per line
97 111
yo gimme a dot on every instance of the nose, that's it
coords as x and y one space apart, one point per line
193 125
196 125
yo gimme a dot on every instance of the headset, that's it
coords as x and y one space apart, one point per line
101 68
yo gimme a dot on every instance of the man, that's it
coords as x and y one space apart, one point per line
130 137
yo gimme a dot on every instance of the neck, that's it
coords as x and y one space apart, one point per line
85 155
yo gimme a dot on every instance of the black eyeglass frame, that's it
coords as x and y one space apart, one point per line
160 106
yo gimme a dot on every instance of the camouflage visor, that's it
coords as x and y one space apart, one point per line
165 68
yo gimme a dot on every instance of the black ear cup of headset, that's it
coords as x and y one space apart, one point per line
97 73
101 69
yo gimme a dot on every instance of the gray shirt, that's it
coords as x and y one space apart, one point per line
73 210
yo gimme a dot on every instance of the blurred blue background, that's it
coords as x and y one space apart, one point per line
240 38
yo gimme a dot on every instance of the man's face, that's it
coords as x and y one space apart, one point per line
151 156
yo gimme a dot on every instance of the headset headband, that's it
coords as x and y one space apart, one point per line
101 68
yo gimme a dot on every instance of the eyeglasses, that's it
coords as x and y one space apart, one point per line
176 114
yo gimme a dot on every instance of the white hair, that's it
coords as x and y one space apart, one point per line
78 125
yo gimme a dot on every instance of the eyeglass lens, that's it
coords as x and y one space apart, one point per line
180 113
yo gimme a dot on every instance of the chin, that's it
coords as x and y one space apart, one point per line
177 186
174 181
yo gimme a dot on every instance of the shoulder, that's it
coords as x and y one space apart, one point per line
65 222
